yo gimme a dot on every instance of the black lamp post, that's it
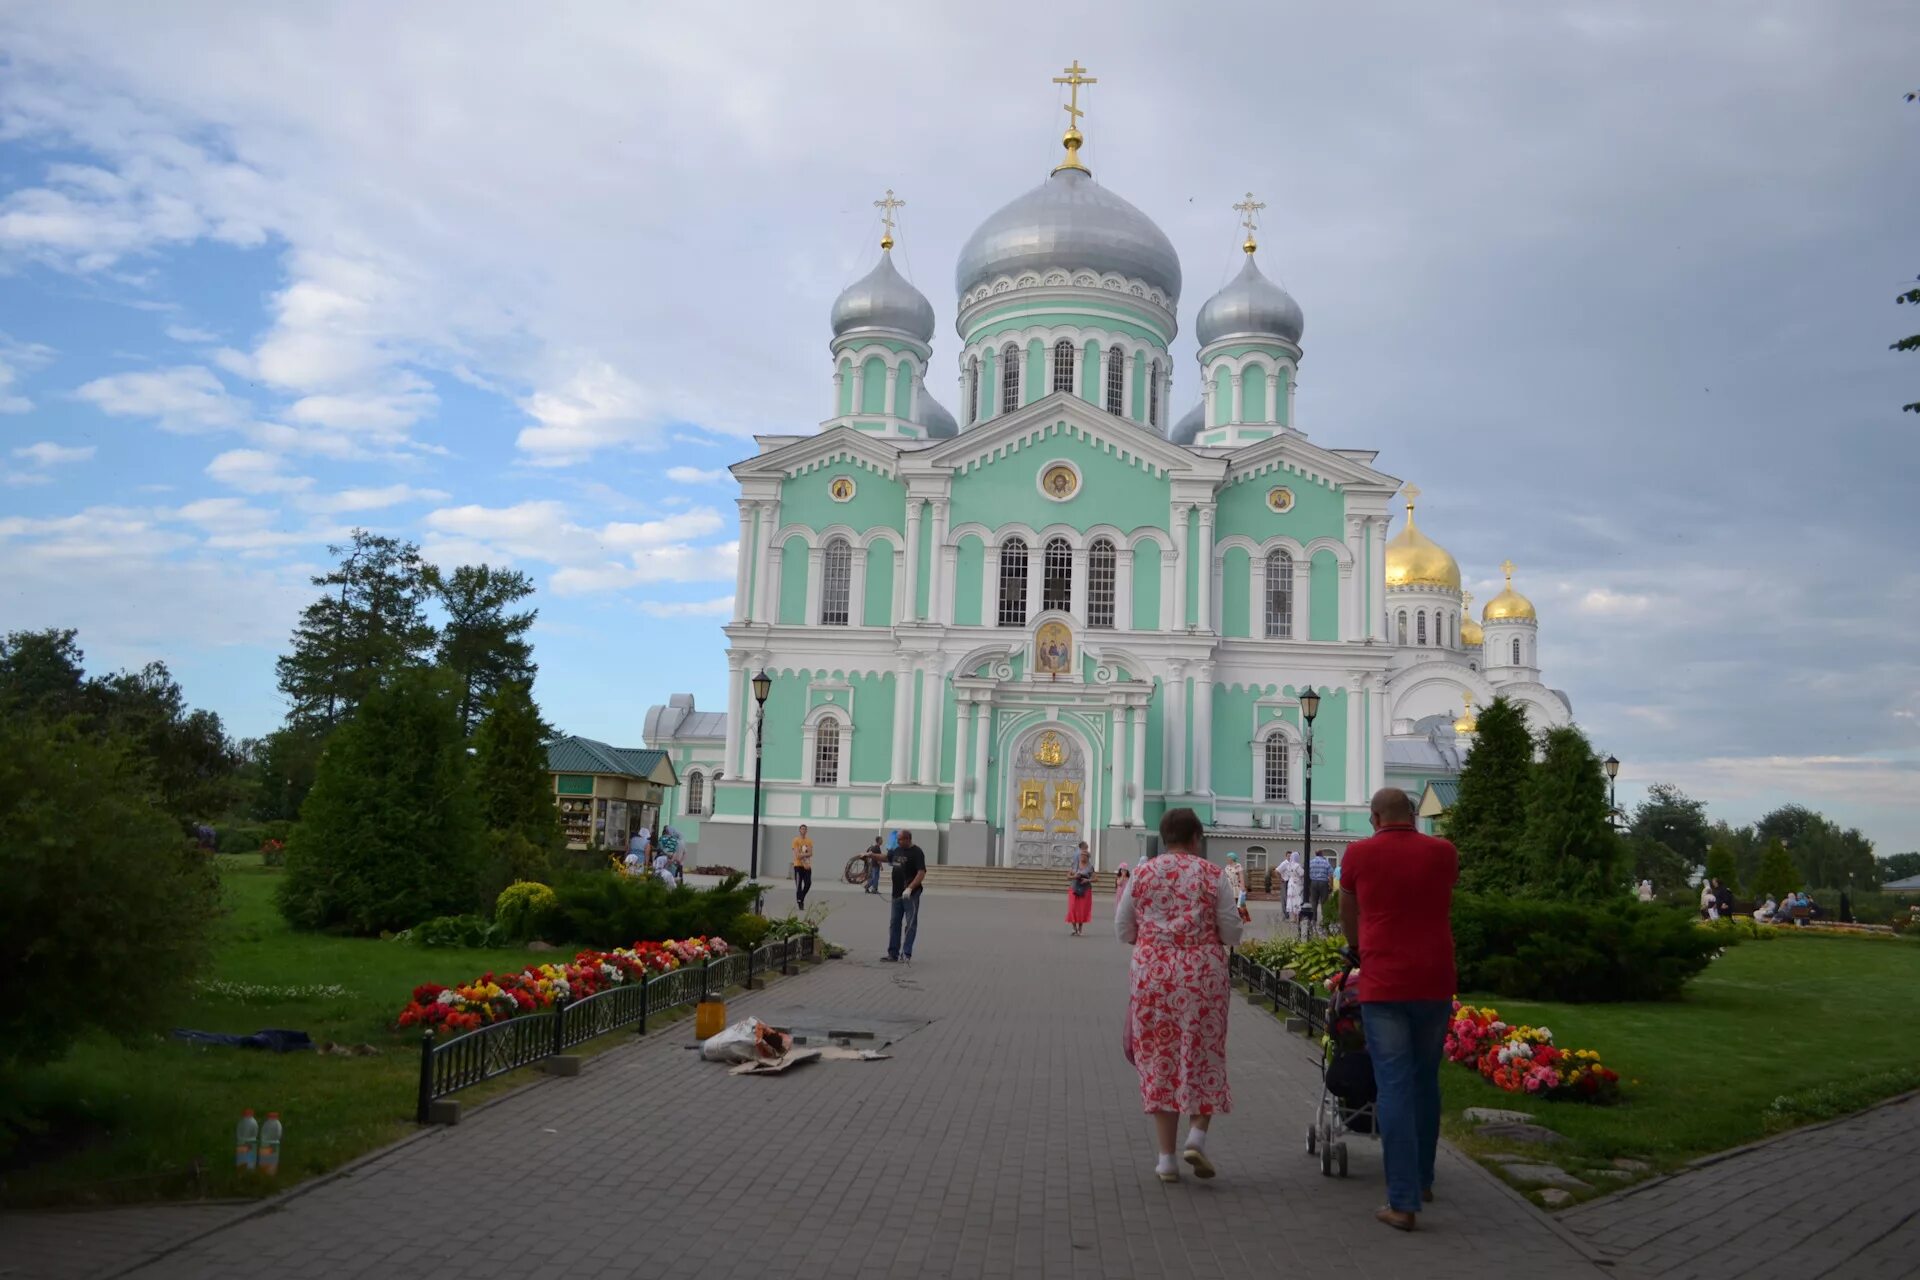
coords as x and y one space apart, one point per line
1309 708
762 686
1613 805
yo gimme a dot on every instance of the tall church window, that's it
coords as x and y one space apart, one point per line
826 753
973 389
1116 379
1401 634
1063 365
1013 583
1056 581
1420 627
836 582
1009 378
1101 573
1153 393
1274 786
696 794
1279 595
1516 653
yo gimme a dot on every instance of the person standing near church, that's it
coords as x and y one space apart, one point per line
1080 891
903 921
1295 878
802 866
1396 897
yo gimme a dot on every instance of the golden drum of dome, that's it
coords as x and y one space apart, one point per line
1471 636
1468 722
1509 604
1415 560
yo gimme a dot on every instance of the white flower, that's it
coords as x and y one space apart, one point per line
446 997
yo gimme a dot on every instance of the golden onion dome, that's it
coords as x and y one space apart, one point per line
1471 636
1415 560
1468 722
1509 604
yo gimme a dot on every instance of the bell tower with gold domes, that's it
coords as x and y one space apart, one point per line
1424 609
1512 628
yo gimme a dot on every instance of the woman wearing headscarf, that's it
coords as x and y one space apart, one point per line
1120 878
1296 878
1178 914
1238 879
1080 891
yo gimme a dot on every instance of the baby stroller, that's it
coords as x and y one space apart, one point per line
1347 1092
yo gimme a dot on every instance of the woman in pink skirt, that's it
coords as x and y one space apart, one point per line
1080 891
1179 914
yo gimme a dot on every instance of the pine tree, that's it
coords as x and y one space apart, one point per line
368 624
482 644
391 833
1489 815
1722 865
516 789
1571 851
1777 877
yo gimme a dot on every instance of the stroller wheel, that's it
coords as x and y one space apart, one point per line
1326 1160
1341 1158
1313 1136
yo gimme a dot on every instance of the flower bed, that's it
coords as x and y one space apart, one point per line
495 997
1525 1059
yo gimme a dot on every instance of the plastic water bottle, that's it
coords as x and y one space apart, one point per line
270 1145
246 1138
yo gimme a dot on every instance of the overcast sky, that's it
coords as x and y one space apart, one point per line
1612 282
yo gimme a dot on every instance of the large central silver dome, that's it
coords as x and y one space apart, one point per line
1069 222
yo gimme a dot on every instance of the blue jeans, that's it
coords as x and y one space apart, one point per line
1407 1039
873 877
906 913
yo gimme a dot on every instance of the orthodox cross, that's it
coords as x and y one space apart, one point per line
1506 567
1075 77
1249 207
886 207
1410 492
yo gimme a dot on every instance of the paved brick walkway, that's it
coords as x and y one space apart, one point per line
1839 1200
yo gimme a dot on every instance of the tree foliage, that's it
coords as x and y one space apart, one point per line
516 790
1898 866
1722 865
368 624
279 771
1571 851
391 833
1776 877
1489 817
107 913
1676 820
1825 855
481 643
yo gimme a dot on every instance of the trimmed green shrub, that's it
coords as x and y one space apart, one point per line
748 930
249 837
607 909
1311 959
1534 949
456 931
524 910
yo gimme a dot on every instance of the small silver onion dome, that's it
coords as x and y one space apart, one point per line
882 299
1252 305
1191 424
1069 222
933 415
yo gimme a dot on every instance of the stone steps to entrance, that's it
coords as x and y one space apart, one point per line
1023 880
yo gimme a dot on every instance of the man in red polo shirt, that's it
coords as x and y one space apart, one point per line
1396 897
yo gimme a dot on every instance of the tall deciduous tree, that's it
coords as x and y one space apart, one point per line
1898 866
369 623
1826 856
483 644
1571 850
1489 816
1676 820
391 833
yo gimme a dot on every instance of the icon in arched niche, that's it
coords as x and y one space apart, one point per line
1053 650
1280 500
841 488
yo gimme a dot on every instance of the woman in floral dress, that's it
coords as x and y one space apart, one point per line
1080 891
1179 915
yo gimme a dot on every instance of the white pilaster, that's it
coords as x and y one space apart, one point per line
736 712
839 378
1117 772
1373 584
902 718
927 765
1176 727
1376 736
1123 589
944 557
1355 749
859 384
1169 573
893 381
910 597
1203 554
1137 761
982 723
1240 396
1077 586
1302 605
768 585
743 563
857 588
1180 554
962 723
816 557
1203 730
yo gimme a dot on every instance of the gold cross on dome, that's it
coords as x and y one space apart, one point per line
1506 567
886 207
1410 492
1075 77
1249 207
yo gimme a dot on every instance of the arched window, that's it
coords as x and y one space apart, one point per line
1274 786
1013 583
1056 578
836 582
1153 394
1116 380
1063 365
696 794
826 753
1420 627
1279 595
1101 573
973 389
1401 633
1009 378
1516 651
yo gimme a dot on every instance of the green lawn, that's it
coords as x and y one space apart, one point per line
1773 1034
118 1113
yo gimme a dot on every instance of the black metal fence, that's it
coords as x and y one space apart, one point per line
1285 995
450 1065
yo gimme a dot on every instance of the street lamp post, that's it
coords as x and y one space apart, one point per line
1309 708
762 686
1613 803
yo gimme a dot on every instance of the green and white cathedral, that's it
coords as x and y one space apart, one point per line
1057 616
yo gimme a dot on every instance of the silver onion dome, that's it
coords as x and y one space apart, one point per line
1251 305
1191 424
882 299
933 415
1069 222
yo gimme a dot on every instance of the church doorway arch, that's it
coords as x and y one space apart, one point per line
1047 798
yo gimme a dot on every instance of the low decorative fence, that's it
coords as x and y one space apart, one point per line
1295 999
457 1062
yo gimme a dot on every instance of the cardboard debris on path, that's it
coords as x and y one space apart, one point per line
796 1057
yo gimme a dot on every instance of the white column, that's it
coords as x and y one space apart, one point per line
1355 749
1257 596
857 588
816 557
1203 554
990 586
1376 736
1203 730
1208 415
859 385
910 596
927 765
736 713
1353 582
1176 729
1180 553
893 380
1240 396
962 722
1137 759
743 562
839 378
1169 572
1123 588
1117 760
982 731
768 586
942 566
1126 388
1372 584
902 718
1302 606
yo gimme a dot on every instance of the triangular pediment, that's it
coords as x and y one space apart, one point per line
804 453
1011 431
1291 451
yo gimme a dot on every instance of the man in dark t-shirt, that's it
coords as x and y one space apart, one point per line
909 874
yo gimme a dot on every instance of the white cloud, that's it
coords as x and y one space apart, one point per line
596 408
255 471
720 607
588 560
15 357
187 333
369 499
694 475
22 479
1602 603
185 399
47 454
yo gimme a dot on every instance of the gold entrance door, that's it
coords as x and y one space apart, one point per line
1048 800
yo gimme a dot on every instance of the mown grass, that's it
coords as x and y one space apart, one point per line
120 1120
1773 1035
